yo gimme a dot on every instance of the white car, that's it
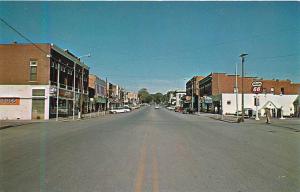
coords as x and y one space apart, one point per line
171 108
157 107
119 110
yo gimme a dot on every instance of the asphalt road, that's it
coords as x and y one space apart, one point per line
149 150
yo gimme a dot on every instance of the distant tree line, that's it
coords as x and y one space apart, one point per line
146 97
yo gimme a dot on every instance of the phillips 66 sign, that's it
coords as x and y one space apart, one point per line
257 87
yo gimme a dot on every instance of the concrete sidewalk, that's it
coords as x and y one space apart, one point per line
288 123
4 124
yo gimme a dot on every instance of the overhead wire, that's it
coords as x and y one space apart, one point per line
134 76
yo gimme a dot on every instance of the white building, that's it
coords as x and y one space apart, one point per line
175 98
16 102
172 98
276 103
178 96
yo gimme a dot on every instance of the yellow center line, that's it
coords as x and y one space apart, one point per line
141 169
155 183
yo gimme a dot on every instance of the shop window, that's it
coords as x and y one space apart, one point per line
33 70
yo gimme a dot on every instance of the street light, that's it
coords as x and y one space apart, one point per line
236 91
74 82
243 55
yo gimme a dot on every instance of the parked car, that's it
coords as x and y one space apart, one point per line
119 110
157 107
171 108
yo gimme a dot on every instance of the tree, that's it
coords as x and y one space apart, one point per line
144 96
157 97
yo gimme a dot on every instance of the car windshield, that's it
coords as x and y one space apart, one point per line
149 96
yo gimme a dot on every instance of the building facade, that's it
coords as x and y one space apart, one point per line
192 90
40 82
216 87
278 104
131 98
113 96
179 98
97 93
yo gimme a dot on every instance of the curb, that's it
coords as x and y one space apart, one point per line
15 125
224 120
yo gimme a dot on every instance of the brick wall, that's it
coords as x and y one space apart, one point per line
15 60
222 83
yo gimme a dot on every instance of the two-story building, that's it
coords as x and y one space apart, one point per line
192 90
131 98
97 93
39 81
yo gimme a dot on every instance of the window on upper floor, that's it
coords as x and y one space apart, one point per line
33 70
282 90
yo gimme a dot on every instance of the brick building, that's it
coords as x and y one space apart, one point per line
35 76
97 93
113 96
217 83
192 90
214 85
131 98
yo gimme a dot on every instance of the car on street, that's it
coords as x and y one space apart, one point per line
120 110
157 107
171 108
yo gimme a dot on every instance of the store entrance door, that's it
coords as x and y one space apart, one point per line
38 109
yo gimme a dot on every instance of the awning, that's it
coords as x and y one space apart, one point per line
100 100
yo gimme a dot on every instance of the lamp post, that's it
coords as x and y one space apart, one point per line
236 91
243 55
74 82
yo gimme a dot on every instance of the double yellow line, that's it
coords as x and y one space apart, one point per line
140 176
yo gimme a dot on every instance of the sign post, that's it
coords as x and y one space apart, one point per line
256 102
256 88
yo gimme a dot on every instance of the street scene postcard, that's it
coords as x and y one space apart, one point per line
149 96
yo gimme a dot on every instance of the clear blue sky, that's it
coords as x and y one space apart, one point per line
158 44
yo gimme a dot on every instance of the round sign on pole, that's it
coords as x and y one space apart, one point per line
256 90
257 87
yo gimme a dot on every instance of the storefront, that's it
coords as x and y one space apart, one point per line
24 102
100 103
65 103
297 106
280 105
206 104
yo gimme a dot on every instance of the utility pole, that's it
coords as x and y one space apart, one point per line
57 90
74 89
236 91
106 94
192 94
82 87
243 55
82 91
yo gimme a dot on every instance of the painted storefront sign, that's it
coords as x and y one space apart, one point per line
9 101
